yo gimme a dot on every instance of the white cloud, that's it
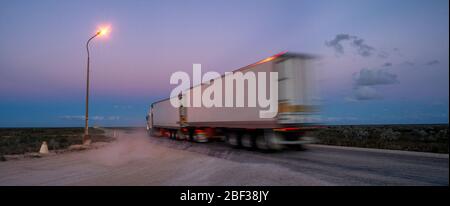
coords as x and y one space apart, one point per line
367 77
336 119
366 93
117 106
113 118
96 117
72 117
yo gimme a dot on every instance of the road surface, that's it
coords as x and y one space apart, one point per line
136 159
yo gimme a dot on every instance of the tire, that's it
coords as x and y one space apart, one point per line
261 143
191 136
272 138
176 135
247 141
233 139
180 135
268 141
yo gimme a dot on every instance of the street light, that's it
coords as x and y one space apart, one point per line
102 31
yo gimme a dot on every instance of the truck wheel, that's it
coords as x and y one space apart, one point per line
191 136
261 143
180 135
272 139
173 134
247 140
233 139
268 141
176 135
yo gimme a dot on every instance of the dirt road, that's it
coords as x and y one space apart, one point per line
136 159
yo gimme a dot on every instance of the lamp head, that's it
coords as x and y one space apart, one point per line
103 30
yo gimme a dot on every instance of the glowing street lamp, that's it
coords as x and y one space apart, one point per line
102 31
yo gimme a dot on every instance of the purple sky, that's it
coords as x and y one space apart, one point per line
383 61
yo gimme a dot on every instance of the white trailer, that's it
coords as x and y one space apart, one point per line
242 126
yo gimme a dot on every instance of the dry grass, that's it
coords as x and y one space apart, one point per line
23 140
423 138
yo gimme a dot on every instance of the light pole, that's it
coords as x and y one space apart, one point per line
86 137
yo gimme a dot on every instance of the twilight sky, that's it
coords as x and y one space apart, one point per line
382 61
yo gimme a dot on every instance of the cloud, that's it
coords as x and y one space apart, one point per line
432 62
367 77
82 117
350 99
387 64
365 82
362 48
97 118
366 93
112 118
117 106
408 63
336 42
383 54
336 119
72 117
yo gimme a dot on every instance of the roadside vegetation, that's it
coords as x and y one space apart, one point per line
23 140
422 138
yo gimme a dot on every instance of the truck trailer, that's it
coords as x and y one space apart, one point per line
242 126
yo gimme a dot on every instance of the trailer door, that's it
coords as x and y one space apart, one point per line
296 104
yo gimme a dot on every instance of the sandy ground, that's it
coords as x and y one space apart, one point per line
136 159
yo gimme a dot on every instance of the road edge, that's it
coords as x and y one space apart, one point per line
384 151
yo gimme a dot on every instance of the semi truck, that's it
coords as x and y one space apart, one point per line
242 126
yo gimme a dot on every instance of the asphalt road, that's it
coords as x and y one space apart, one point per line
136 159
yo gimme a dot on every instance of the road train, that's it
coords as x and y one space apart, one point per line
297 109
